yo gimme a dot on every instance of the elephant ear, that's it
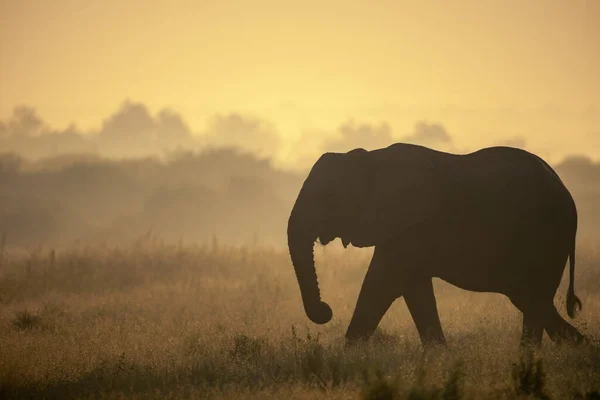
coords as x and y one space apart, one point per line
356 190
403 191
360 169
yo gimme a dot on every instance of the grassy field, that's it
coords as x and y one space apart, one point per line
153 320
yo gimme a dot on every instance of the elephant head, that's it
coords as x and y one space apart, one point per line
364 198
331 197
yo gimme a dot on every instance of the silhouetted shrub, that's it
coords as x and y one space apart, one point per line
529 377
25 321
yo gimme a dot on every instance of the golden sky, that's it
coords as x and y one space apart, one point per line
486 70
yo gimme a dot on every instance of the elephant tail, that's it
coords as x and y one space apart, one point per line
573 302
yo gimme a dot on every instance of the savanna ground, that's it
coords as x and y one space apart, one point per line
154 320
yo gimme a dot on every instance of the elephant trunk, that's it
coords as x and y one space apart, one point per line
301 246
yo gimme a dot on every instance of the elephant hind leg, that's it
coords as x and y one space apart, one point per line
560 330
533 329
420 300
534 319
540 315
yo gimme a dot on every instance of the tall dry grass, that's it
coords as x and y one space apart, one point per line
156 320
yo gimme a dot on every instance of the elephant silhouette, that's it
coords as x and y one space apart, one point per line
496 220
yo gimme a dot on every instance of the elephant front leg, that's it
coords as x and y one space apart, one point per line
420 300
376 296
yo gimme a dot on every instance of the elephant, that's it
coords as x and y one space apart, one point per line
497 220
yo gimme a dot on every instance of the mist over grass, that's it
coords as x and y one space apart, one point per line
226 193
235 196
155 320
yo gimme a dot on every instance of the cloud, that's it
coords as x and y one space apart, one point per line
132 120
133 131
171 128
517 141
430 135
29 135
130 131
247 133
579 168
352 135
25 121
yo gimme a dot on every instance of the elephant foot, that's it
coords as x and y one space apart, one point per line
573 338
561 332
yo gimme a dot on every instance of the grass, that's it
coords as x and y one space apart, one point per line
154 320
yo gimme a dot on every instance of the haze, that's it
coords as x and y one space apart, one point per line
490 72
120 117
